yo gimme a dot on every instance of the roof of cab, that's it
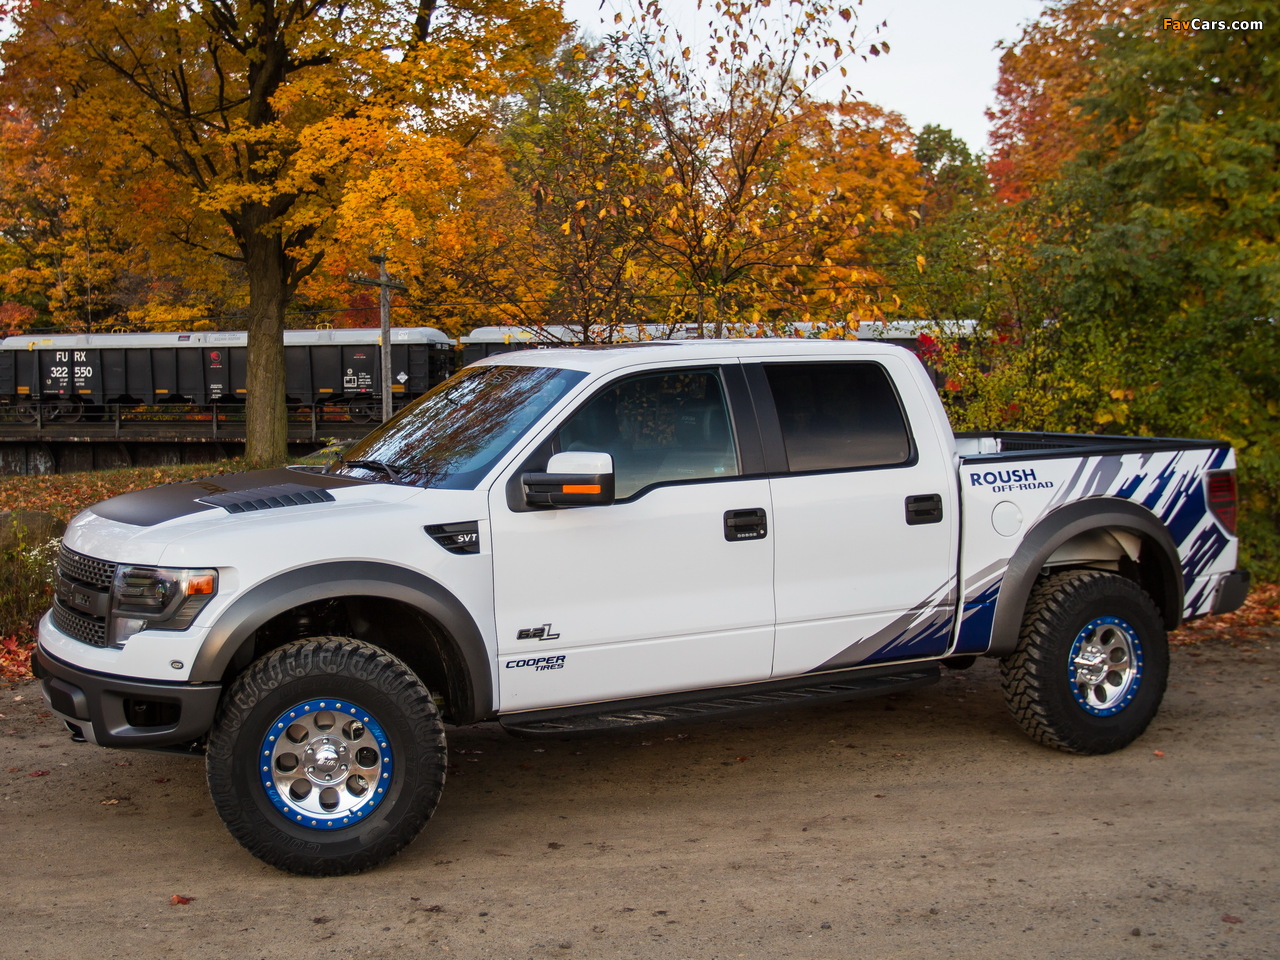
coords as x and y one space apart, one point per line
604 357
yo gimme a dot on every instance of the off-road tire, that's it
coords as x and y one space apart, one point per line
337 703
1056 693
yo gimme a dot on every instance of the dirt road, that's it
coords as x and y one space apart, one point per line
923 826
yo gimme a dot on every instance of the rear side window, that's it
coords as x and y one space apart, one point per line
838 416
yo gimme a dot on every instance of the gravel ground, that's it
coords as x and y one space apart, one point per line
919 826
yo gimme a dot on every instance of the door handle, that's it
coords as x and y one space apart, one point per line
745 525
925 508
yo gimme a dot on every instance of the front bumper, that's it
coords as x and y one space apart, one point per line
117 712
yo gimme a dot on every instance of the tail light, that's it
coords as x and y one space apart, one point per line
1221 489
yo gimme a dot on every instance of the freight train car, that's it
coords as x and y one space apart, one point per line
486 341
61 377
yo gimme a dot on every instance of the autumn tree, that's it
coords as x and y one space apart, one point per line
540 223
83 255
583 155
1175 231
262 116
642 184
753 206
1038 122
445 212
62 256
950 264
1155 243
847 178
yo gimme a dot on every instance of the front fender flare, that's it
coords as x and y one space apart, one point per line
339 578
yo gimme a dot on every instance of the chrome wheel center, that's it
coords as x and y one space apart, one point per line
326 760
1091 664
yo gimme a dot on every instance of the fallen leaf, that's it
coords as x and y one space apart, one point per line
1228 918
109 803
177 900
1159 753
38 773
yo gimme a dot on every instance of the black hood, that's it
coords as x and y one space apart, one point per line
232 492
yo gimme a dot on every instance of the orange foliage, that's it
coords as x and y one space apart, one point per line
1037 123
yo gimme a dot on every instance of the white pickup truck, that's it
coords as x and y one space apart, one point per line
595 539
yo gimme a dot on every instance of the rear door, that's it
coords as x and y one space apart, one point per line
864 513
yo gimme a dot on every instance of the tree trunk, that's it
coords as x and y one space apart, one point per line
266 422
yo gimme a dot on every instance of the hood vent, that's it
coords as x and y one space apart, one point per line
268 498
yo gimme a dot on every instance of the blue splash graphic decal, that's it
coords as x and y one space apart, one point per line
1171 485
977 619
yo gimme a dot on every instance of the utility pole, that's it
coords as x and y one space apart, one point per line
385 285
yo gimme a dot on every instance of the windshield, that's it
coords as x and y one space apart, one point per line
452 436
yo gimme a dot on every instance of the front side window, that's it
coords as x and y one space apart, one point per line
451 436
659 428
838 416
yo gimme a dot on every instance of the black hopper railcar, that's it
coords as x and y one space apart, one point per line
61 378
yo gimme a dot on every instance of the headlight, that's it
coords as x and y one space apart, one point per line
164 598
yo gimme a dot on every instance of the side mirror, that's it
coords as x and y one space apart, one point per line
573 479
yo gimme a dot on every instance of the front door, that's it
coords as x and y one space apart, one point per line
668 588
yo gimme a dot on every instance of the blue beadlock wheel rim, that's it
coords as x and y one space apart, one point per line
325 764
1106 666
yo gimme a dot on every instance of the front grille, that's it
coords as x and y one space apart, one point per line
98 575
79 627
77 567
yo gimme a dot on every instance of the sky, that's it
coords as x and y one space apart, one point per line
942 62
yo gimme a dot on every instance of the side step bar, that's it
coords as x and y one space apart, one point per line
719 704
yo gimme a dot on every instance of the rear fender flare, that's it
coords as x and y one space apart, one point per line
1061 525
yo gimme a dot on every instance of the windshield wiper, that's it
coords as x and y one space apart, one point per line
386 468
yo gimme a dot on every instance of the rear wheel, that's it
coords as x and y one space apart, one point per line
327 757
1091 664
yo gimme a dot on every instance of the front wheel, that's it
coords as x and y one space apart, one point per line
1091 664
327 757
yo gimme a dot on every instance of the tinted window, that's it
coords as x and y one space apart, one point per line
837 416
658 428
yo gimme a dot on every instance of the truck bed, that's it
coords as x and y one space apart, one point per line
995 445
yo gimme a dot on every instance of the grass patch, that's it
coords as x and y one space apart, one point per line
65 494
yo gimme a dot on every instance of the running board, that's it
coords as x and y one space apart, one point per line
719 704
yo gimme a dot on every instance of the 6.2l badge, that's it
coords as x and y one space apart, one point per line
537 633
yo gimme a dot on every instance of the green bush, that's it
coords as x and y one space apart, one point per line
26 585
